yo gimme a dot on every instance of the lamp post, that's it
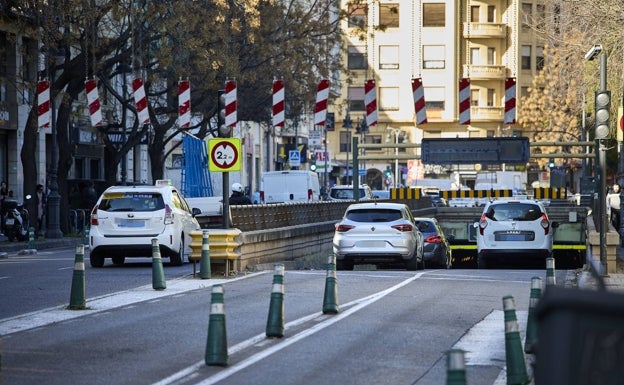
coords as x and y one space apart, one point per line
396 132
54 199
346 124
124 69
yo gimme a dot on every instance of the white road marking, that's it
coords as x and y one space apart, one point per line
326 321
107 302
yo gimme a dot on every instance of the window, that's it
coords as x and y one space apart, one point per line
433 57
527 14
539 58
357 16
474 13
356 98
525 62
372 139
388 98
474 98
388 57
491 56
541 15
434 98
491 14
491 95
475 56
356 59
388 16
524 92
433 15
95 168
345 141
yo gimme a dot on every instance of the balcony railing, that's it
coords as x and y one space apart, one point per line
484 113
480 71
484 30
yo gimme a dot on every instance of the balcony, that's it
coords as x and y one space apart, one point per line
484 30
485 72
486 114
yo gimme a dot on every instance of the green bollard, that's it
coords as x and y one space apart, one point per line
86 236
77 299
216 343
330 299
158 273
531 329
514 355
31 237
455 367
204 262
275 321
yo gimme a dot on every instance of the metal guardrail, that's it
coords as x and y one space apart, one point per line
78 220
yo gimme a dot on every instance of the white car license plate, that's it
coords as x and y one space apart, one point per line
131 223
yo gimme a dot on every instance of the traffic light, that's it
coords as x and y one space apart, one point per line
602 105
224 131
551 162
313 162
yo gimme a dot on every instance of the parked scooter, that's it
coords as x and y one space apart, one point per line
15 219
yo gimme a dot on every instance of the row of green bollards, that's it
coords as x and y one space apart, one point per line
216 343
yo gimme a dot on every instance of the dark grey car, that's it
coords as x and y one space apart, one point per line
437 250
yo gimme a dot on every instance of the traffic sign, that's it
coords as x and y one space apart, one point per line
294 158
224 154
475 150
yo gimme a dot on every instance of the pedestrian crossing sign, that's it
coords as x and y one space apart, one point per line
294 157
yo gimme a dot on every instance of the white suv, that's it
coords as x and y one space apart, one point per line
516 230
125 219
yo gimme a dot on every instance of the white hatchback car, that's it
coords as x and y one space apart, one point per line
514 230
125 219
378 233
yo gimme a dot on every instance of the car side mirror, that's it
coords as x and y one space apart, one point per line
195 211
555 225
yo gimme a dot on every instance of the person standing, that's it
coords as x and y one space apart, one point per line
42 200
238 197
613 206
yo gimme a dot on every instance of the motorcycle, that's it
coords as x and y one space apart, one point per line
15 220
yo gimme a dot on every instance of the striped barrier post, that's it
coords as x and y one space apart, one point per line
204 261
455 367
550 271
275 321
330 299
516 366
531 330
158 273
77 299
216 343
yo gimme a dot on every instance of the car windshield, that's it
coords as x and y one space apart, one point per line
344 193
374 215
514 212
132 201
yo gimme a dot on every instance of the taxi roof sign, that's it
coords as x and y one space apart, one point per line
163 182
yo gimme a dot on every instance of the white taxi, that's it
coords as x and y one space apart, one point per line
125 219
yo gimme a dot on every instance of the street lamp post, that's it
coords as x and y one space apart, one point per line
396 132
347 123
124 69
54 199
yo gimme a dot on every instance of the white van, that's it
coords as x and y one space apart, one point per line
290 186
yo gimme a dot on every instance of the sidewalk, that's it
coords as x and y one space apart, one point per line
40 244
584 279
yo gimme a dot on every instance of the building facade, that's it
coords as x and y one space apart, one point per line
438 42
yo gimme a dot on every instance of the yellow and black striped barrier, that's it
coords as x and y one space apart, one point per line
454 194
405 193
550 193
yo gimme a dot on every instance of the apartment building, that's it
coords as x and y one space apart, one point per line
439 42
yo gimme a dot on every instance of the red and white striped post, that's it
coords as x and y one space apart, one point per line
231 105
370 101
320 109
464 101
93 100
43 104
184 103
278 103
510 101
419 101
140 100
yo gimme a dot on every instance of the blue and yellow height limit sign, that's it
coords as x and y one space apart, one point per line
224 154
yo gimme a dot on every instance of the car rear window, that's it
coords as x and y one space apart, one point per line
132 201
345 193
374 215
426 226
514 212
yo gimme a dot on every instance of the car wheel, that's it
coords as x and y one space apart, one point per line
96 260
344 265
177 259
421 264
119 260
